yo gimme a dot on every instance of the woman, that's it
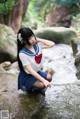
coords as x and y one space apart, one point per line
30 61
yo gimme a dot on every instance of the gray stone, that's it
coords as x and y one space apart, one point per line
8 50
57 34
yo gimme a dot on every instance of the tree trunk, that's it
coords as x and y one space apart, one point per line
17 14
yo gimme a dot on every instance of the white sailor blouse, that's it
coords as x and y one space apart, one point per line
34 59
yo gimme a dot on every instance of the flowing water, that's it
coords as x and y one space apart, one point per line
62 100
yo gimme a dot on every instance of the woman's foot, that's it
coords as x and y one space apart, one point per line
50 71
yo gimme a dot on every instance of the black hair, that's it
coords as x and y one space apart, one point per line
25 34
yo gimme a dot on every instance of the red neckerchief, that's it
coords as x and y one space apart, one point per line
38 58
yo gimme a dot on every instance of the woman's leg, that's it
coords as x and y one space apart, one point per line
38 85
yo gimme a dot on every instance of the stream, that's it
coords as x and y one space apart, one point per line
62 100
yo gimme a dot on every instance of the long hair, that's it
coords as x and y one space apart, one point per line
25 34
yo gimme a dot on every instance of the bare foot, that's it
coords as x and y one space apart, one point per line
50 71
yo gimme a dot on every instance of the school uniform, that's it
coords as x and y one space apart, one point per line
35 59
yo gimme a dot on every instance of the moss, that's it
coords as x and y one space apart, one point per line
7 44
4 28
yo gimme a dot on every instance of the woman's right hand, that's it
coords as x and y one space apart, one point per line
47 83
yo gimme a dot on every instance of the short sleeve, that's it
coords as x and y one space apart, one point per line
24 59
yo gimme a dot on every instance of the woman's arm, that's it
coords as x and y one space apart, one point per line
46 43
37 76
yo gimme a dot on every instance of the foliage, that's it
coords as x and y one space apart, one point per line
39 9
6 6
31 15
76 19
43 7
73 5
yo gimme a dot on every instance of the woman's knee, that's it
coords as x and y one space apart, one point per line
38 84
41 85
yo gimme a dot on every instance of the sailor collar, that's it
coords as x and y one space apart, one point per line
29 52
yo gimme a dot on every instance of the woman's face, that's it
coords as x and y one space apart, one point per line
32 40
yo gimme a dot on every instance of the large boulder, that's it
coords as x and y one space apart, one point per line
8 50
57 34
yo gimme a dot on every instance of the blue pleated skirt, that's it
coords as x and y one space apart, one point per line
26 81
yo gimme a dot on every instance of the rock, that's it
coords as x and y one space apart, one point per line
2 70
6 64
13 68
8 50
57 34
14 65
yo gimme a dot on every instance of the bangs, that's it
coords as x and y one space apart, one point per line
27 33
